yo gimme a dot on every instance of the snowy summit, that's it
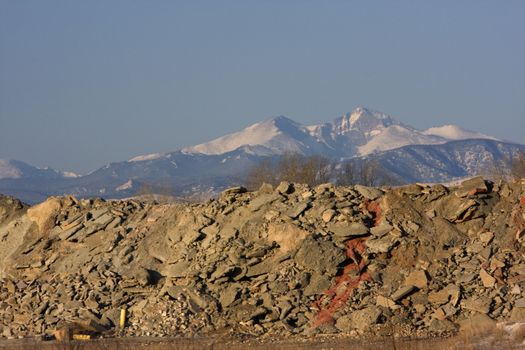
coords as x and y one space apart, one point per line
360 132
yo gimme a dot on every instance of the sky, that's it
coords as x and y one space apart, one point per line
85 83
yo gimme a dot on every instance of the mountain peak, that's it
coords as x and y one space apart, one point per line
361 113
362 119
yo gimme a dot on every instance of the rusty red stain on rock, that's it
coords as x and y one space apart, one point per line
353 274
374 208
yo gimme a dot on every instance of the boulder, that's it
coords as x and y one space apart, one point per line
370 193
45 213
323 257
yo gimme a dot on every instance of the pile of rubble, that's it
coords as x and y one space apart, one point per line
418 260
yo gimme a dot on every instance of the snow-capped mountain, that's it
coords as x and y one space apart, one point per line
359 133
15 169
439 154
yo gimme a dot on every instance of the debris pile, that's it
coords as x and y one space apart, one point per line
418 260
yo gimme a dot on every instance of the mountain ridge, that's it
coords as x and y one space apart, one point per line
358 133
438 154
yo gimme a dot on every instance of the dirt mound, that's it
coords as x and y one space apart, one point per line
418 260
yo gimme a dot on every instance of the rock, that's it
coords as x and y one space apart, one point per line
247 312
95 214
449 235
449 293
518 269
298 209
417 278
439 314
45 213
475 323
520 303
286 235
103 220
319 256
472 187
381 230
284 188
487 280
346 230
360 319
112 315
480 304
466 278
383 245
285 307
364 318
516 290
442 326
465 211
517 314
142 276
63 334
328 215
403 292
411 190
90 322
318 284
173 291
344 323
224 271
68 233
420 308
197 302
262 268
369 192
234 190
230 295
260 201
192 236
307 194
486 237
385 302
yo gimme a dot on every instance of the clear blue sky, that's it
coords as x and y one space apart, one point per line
84 83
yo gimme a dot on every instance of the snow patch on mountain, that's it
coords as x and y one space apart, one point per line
454 132
142 158
396 136
8 170
125 186
69 174
278 134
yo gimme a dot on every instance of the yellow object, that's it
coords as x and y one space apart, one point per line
81 337
122 318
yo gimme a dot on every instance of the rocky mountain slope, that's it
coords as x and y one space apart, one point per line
417 260
440 154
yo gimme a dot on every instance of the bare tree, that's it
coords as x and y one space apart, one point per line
293 167
346 173
263 171
368 173
507 168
